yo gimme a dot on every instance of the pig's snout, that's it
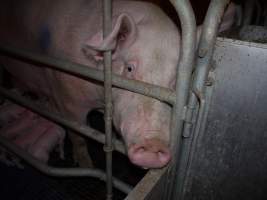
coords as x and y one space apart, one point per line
153 153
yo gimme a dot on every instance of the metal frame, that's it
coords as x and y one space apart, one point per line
184 71
178 99
62 172
197 95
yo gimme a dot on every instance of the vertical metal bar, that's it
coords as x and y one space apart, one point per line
184 70
265 13
205 52
239 15
1 82
198 132
258 12
108 148
248 12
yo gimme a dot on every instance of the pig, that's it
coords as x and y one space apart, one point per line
9 112
31 132
145 46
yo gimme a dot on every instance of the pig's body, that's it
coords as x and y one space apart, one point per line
62 29
145 45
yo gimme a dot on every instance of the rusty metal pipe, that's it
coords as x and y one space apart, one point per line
62 172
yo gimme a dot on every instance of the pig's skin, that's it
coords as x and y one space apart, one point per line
53 136
30 132
23 123
145 45
9 112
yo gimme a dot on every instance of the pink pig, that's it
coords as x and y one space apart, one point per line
30 131
145 45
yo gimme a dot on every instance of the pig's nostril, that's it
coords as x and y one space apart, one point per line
150 155
140 150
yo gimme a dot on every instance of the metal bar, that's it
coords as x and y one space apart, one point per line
75 126
184 71
207 42
258 12
87 72
198 135
146 185
248 12
239 15
205 52
62 172
265 13
108 148
1 82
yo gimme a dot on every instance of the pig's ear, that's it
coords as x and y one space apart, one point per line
123 35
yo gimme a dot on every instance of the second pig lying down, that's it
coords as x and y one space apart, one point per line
31 132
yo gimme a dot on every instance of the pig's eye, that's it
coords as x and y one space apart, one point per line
130 67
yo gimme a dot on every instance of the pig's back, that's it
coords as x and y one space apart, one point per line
48 27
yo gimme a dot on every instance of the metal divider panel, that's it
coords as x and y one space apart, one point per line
231 157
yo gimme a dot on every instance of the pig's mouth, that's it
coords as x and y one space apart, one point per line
152 153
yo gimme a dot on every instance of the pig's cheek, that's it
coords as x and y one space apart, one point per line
128 132
117 112
118 67
116 122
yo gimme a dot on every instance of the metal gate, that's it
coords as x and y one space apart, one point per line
187 103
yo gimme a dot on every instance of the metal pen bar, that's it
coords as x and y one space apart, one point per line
108 148
198 132
87 72
75 126
258 12
205 52
248 12
1 82
184 71
206 48
146 185
62 172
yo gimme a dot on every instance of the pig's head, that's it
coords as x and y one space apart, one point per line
144 48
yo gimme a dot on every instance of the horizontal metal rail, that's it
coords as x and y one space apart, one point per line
86 72
75 126
62 172
1 82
